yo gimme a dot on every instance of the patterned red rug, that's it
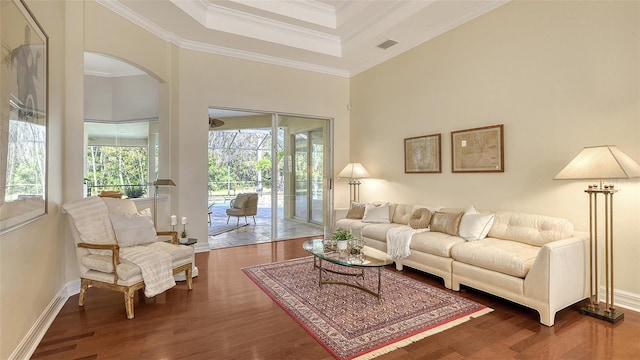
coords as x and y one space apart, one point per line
352 324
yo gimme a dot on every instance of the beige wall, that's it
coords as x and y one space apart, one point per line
31 257
559 75
210 80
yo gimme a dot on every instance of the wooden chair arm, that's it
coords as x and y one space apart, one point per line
115 255
174 235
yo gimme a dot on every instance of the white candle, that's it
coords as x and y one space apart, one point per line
174 220
184 220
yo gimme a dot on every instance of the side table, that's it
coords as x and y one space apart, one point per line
181 276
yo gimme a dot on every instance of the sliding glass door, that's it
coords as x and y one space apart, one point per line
284 158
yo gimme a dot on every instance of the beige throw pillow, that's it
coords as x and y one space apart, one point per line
420 219
447 223
356 210
134 230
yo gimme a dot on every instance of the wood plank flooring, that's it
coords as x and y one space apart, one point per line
226 316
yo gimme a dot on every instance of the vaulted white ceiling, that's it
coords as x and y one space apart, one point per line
338 37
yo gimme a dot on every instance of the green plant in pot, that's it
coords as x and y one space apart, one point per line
342 238
183 237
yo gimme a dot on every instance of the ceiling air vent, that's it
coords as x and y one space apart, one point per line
387 44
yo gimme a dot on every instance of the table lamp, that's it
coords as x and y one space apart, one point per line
354 172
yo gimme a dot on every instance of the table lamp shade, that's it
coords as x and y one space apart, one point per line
354 171
600 162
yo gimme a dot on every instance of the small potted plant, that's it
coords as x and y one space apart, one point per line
183 237
342 238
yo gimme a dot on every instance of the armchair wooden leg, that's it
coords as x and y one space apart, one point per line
83 292
189 276
238 221
129 296
254 220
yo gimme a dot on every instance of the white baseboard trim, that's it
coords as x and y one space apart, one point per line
201 247
623 299
30 342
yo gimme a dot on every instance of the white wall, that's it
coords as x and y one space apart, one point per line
559 75
120 98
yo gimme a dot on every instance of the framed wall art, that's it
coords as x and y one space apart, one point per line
23 116
478 150
422 154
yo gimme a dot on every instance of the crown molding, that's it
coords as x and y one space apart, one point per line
310 11
232 21
171 37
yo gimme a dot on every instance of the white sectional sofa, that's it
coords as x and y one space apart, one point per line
533 260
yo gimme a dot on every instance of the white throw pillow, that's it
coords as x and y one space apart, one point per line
471 210
475 226
134 230
376 213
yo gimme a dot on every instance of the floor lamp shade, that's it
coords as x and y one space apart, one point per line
158 183
601 163
354 172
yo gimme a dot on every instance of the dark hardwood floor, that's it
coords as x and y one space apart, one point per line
226 316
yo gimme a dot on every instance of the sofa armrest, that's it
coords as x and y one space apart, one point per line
340 213
560 274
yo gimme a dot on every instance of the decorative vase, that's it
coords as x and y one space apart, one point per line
183 240
342 245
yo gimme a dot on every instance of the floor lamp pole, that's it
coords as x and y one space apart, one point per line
354 190
609 313
155 207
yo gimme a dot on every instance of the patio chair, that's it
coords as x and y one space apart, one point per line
244 204
118 249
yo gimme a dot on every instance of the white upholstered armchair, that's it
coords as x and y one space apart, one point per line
118 248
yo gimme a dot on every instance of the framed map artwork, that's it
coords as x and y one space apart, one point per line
478 150
422 154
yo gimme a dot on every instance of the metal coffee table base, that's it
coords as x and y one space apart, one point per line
358 284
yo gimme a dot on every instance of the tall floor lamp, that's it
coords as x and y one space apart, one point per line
157 184
354 172
601 163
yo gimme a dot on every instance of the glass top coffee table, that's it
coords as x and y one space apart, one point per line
371 258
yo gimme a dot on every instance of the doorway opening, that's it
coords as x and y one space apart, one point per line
284 160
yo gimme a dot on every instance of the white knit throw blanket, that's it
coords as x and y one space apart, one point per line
399 241
155 266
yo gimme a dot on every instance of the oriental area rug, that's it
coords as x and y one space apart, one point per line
353 324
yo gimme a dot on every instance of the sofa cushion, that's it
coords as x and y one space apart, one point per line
508 257
435 243
402 214
420 219
535 230
102 263
378 231
376 213
356 210
447 223
348 224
